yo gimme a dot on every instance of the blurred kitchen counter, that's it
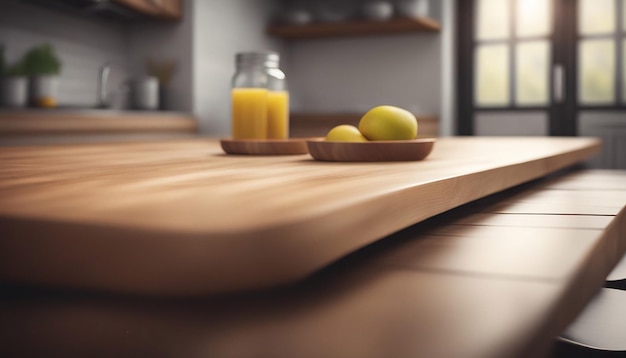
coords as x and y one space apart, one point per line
59 126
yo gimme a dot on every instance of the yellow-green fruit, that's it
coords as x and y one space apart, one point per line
345 133
388 123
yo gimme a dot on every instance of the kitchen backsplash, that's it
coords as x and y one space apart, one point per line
82 43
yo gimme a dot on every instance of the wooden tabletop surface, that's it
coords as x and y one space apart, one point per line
500 277
184 218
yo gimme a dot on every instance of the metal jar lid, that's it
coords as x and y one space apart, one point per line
267 59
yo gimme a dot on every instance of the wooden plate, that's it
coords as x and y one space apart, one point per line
289 146
375 151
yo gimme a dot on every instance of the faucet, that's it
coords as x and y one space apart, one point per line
104 100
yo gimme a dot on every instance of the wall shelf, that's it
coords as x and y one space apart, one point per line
355 28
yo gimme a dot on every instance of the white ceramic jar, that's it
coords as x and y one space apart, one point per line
377 10
145 93
43 89
412 8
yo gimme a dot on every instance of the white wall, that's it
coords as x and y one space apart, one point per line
327 75
221 29
83 44
347 75
162 41
355 74
447 119
204 45
610 126
509 123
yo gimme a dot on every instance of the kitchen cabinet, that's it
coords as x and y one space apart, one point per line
42 127
355 28
160 9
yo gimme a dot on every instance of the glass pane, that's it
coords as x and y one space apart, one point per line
531 73
492 75
492 21
596 16
596 71
533 18
624 70
624 15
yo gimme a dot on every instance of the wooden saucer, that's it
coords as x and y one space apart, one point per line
289 146
374 151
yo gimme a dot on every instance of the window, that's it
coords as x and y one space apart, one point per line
554 58
512 53
601 35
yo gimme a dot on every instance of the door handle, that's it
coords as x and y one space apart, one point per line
558 83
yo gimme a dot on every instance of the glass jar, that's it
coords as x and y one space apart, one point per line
260 100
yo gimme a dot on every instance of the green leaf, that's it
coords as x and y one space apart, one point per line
41 60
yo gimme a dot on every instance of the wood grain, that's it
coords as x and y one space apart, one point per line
264 146
493 293
183 218
571 253
364 314
538 220
355 28
374 151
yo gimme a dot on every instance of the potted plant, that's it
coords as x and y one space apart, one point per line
43 66
13 83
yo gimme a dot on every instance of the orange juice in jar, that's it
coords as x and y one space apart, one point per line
260 101
277 114
249 113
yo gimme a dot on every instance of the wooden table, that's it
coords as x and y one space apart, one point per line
497 278
183 218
